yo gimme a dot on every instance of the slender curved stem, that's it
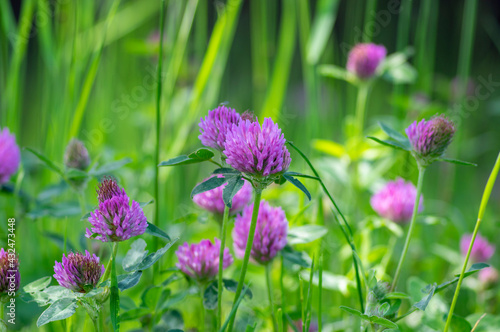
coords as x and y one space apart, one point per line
421 172
251 234
221 266
270 296
482 208
348 235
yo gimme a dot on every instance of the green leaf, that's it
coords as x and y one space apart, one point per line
473 269
394 134
297 184
459 324
402 74
134 314
390 143
458 162
106 169
129 280
295 257
234 184
394 308
198 156
152 258
73 173
226 171
306 234
37 285
207 185
114 301
210 296
300 175
156 231
371 319
136 254
422 304
336 72
46 161
231 285
60 309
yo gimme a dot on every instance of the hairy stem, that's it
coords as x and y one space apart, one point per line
221 266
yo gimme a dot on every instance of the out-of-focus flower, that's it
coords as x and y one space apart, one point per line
313 326
76 155
429 139
364 59
396 200
215 125
488 276
79 272
212 201
116 220
10 155
9 272
459 86
201 260
270 232
257 151
481 251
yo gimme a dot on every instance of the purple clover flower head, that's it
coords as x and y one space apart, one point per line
429 139
259 151
364 59
116 220
212 201
201 260
214 126
396 200
10 155
76 155
10 277
79 272
270 232
481 251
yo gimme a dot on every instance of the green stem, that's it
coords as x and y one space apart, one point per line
270 296
360 107
482 208
108 267
320 289
251 234
282 288
2 308
221 266
202 309
421 172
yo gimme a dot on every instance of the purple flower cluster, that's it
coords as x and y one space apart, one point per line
255 150
215 126
212 201
9 272
10 155
396 200
79 272
481 251
115 220
364 59
270 232
76 155
429 139
201 260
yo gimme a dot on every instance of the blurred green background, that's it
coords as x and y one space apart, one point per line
87 69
